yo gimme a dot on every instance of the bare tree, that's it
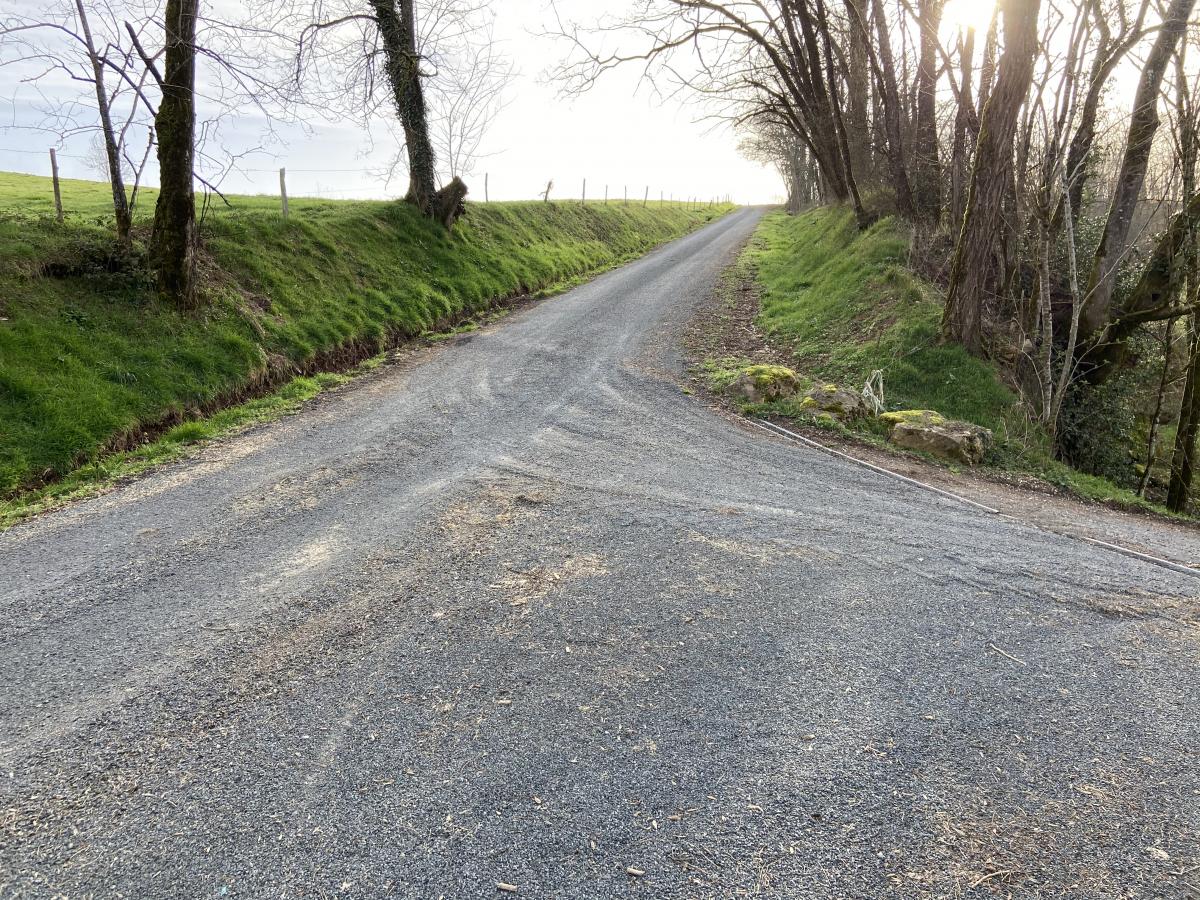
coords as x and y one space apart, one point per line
771 143
435 69
89 45
973 269
1143 125
472 83
1111 49
773 59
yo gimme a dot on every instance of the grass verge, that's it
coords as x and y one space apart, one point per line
839 304
176 443
92 363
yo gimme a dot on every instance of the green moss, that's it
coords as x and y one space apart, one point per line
764 375
722 373
923 416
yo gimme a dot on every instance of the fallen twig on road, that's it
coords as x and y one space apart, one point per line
1009 656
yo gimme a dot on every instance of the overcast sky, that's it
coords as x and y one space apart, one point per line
620 135
617 135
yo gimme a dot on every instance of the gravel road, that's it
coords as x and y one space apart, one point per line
522 613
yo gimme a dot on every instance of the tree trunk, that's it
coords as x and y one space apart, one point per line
835 109
971 272
111 150
987 69
857 74
1066 371
1183 459
927 170
173 241
398 33
796 171
1161 277
966 124
1163 378
890 97
1143 125
1045 357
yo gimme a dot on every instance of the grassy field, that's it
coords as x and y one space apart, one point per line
90 359
843 303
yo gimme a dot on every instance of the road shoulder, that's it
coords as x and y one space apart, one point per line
725 326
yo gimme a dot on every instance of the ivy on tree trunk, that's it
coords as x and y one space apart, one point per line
396 21
173 241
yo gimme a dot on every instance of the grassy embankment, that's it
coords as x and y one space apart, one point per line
843 304
91 362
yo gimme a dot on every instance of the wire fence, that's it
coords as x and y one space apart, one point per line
607 194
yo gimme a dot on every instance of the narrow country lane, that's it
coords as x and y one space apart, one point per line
524 613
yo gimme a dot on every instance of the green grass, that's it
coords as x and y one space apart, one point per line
89 358
173 444
845 303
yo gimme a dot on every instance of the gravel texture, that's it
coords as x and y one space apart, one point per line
525 613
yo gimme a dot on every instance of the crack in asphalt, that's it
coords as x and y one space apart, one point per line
526 613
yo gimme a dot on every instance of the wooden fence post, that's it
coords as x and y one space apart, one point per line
626 195
546 196
485 188
606 195
58 213
283 191
583 194
646 198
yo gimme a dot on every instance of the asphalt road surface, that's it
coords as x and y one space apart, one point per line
522 613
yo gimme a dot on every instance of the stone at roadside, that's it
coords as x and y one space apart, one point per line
836 401
764 383
957 441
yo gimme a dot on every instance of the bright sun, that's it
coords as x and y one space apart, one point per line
964 14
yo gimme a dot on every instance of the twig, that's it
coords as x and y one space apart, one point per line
1016 660
978 881
146 60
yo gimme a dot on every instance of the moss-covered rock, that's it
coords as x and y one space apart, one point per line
763 383
913 416
833 400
